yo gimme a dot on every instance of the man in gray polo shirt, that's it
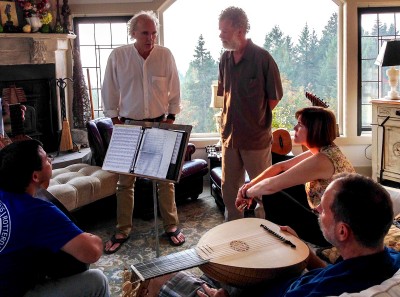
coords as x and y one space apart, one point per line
250 83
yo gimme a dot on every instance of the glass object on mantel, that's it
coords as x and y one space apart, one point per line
35 22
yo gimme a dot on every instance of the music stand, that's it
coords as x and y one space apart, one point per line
148 149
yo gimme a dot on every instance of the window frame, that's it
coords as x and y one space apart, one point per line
89 19
380 38
98 110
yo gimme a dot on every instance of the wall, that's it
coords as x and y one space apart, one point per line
110 7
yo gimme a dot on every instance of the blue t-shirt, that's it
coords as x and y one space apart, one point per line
28 228
352 275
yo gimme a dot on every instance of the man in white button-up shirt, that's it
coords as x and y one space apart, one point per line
141 83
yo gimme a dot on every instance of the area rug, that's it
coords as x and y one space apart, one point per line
196 218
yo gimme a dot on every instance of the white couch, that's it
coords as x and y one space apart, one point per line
80 184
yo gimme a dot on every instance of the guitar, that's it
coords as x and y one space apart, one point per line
281 142
316 101
239 253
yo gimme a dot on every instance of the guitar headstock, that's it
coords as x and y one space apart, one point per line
316 101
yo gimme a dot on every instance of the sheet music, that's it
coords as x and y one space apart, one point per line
121 154
155 152
150 151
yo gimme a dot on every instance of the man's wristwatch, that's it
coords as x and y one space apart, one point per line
171 116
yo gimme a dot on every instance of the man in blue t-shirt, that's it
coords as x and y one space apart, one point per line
355 214
33 230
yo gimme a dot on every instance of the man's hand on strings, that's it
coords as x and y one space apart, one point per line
289 230
211 292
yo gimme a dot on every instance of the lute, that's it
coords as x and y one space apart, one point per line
239 253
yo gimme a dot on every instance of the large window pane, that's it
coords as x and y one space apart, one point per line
304 45
377 25
97 37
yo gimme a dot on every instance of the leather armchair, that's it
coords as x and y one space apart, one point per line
190 184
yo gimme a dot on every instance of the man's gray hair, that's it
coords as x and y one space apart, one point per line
237 16
151 15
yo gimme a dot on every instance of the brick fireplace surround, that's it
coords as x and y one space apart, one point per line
28 59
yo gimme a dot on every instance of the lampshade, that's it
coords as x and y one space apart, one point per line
216 101
389 54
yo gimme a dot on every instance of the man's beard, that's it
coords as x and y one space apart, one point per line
232 45
326 232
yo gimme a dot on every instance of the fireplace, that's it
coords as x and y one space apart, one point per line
33 62
39 86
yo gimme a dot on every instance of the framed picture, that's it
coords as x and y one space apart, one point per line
8 7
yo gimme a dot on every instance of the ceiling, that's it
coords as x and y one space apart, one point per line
105 1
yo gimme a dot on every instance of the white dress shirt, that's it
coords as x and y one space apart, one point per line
138 88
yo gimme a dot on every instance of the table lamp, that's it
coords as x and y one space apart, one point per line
389 55
217 102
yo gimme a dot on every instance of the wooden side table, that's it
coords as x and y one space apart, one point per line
386 141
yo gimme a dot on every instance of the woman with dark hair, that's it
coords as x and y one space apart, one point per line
316 130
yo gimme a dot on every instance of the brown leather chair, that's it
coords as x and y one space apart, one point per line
190 184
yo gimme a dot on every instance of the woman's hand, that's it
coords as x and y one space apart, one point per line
211 292
242 201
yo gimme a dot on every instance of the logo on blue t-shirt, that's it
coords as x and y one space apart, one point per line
5 226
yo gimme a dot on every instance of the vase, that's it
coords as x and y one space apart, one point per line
35 23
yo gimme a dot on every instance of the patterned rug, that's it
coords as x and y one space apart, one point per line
196 217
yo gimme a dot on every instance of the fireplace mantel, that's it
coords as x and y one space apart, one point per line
38 35
34 48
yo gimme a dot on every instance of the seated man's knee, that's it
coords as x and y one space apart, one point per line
96 278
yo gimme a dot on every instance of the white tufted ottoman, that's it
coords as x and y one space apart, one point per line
80 184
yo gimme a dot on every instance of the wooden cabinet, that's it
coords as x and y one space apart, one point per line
386 139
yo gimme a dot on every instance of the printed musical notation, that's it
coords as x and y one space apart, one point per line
149 152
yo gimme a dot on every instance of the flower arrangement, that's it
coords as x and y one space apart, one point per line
37 7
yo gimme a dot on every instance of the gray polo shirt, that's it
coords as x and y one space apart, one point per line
246 87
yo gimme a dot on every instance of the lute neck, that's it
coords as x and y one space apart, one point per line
166 264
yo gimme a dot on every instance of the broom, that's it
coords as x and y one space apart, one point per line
90 94
66 139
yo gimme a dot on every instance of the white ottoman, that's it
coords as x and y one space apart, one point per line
80 184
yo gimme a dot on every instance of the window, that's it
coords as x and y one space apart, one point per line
304 45
376 25
97 37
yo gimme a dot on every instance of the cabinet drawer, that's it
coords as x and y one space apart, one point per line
393 112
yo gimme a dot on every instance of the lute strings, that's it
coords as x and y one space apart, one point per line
203 254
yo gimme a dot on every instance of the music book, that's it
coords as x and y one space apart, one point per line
152 150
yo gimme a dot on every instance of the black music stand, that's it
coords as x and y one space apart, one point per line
138 150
